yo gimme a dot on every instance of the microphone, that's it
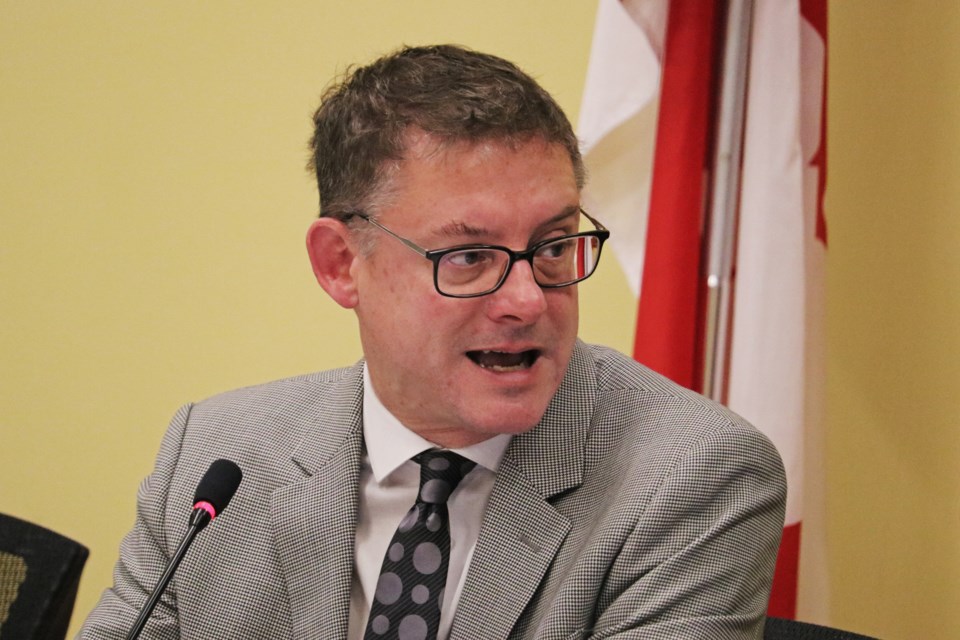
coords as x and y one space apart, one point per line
213 494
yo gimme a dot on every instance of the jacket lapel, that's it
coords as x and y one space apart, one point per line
314 518
522 532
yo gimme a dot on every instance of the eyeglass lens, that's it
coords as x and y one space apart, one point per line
475 271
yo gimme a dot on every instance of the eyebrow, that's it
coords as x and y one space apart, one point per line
459 229
463 229
567 212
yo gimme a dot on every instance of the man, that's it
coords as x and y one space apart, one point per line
593 498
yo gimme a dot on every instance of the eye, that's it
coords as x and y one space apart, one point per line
469 258
556 249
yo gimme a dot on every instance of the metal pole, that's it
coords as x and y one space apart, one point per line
724 200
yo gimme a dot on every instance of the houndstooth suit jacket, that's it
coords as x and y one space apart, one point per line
635 509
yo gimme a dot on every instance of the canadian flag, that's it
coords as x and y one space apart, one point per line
647 126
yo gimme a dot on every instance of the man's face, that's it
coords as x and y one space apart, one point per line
458 371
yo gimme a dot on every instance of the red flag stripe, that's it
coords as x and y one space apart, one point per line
783 598
667 334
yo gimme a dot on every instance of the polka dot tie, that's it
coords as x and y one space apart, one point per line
406 605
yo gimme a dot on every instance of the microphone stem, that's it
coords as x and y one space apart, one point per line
198 520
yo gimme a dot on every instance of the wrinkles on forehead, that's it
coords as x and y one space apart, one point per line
463 229
423 145
457 159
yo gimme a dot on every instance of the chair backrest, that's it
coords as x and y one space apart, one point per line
39 574
782 629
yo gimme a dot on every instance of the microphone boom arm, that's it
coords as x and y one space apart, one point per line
198 520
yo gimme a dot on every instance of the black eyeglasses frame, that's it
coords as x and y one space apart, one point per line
435 255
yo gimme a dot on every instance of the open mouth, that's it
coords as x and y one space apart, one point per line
503 361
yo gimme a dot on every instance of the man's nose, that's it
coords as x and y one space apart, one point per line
519 297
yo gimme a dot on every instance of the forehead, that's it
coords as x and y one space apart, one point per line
423 146
473 178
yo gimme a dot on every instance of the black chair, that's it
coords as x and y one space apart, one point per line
39 575
782 629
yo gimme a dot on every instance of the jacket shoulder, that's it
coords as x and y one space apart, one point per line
637 407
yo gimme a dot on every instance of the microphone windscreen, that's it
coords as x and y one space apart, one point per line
219 484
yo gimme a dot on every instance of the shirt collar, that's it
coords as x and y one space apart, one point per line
390 444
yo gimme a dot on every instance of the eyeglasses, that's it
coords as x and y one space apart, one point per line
472 270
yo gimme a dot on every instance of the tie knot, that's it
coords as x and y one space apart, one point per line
440 473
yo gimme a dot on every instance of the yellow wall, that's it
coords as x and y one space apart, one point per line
893 199
154 204
152 209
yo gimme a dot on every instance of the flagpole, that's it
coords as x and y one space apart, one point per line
721 225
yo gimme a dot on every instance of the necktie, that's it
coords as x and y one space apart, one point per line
409 595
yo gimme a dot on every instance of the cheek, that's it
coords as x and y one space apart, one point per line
563 308
406 282
419 320
390 290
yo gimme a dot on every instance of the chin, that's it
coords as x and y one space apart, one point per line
521 420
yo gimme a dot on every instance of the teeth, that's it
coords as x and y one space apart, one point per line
495 367
502 361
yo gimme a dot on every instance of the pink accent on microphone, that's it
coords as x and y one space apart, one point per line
206 506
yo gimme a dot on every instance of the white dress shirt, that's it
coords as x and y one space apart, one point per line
389 482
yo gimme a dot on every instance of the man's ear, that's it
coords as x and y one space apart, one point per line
332 255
